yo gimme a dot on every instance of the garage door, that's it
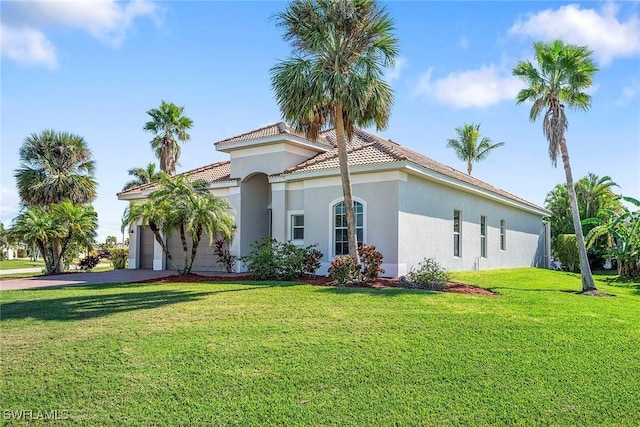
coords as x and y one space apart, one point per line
146 247
205 260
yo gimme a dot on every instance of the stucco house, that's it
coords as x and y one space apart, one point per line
409 206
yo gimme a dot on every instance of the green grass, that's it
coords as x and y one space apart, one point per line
104 265
286 354
19 263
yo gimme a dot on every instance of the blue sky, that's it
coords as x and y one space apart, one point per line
95 68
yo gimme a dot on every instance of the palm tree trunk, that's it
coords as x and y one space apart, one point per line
185 249
194 247
346 185
156 233
587 279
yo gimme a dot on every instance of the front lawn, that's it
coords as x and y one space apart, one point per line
20 263
287 354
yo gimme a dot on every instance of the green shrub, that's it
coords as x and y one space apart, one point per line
119 258
371 260
429 275
273 260
566 251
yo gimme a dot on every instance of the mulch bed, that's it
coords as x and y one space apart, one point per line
381 282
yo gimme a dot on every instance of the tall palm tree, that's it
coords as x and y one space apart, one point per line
563 74
55 166
169 125
335 75
467 147
142 176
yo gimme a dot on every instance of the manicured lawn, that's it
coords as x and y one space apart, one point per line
287 354
19 263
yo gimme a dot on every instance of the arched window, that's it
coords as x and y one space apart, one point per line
340 235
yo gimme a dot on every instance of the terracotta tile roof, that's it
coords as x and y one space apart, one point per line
275 129
215 172
366 148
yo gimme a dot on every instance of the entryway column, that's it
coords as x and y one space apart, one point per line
278 212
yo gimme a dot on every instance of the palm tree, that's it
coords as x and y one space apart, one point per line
36 226
79 223
563 74
467 148
594 193
184 207
169 126
55 166
142 176
334 76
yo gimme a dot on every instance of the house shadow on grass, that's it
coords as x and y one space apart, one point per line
92 306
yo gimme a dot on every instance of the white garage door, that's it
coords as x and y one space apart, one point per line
205 257
146 247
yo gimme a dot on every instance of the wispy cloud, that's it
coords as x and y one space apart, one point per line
24 25
629 93
463 42
479 88
602 31
394 72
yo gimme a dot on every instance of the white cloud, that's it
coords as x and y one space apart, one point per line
479 88
24 25
27 46
393 73
629 93
601 31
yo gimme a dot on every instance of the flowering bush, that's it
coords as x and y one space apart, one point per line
371 260
343 270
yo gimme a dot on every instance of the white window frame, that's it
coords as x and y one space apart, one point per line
457 248
332 204
290 215
483 236
503 234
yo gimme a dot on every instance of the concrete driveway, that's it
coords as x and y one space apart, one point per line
79 279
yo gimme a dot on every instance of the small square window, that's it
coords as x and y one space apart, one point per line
297 227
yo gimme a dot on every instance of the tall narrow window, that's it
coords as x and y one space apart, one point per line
503 235
457 233
297 227
341 237
483 236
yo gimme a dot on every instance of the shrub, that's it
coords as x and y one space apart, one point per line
273 260
89 262
119 258
371 260
225 257
566 251
429 275
343 270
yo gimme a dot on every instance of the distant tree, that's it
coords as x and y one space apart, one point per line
623 230
169 125
4 240
55 166
111 241
563 74
142 176
593 194
334 77
55 229
183 207
467 147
